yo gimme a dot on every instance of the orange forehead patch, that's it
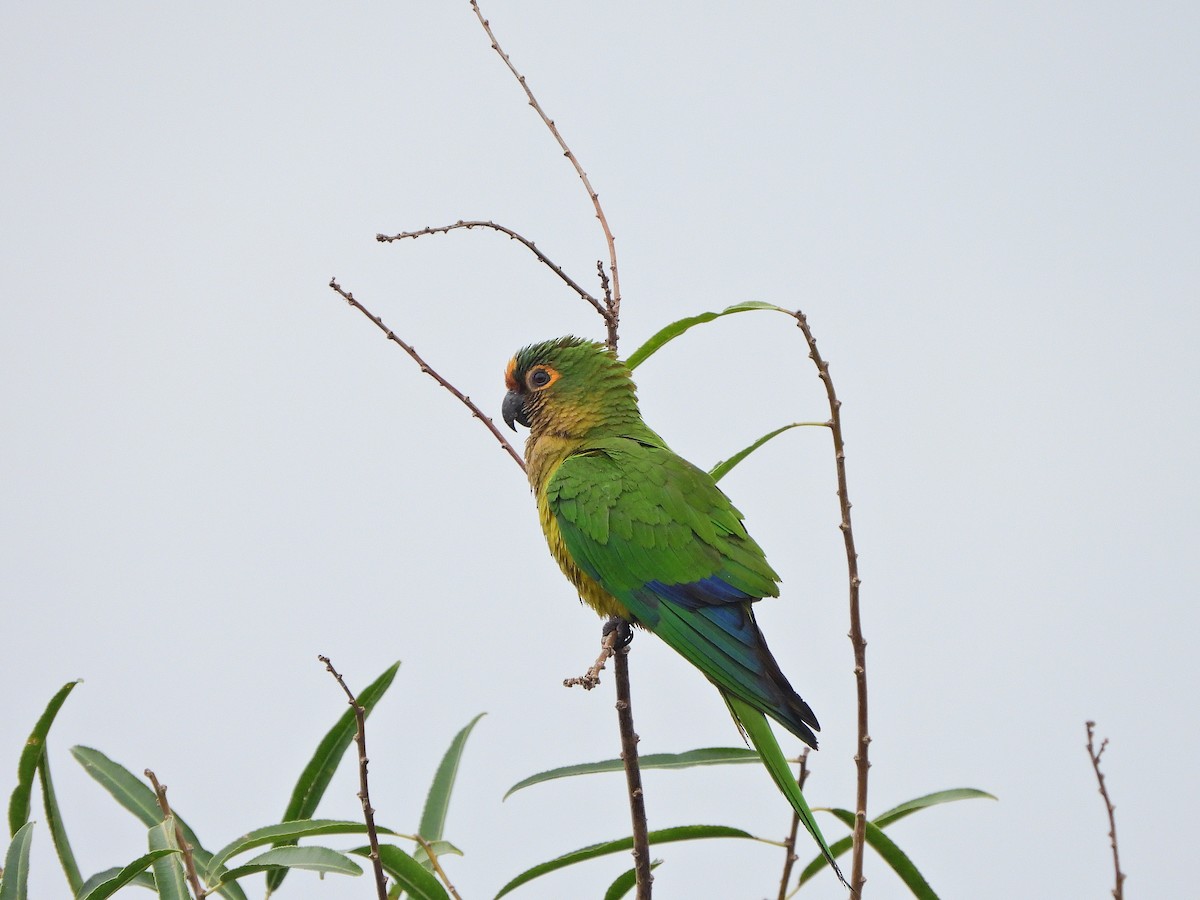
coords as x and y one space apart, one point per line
510 378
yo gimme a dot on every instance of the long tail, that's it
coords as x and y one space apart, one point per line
756 727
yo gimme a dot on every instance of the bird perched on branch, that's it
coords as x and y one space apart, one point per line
646 536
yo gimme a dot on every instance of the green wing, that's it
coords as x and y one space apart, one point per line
632 513
659 535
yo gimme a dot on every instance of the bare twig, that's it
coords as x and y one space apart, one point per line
360 736
861 758
432 373
189 863
602 308
790 845
591 677
1118 891
629 755
606 287
437 866
612 320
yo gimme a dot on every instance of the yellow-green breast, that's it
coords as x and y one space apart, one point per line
543 455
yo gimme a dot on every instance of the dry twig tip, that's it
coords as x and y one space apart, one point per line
364 794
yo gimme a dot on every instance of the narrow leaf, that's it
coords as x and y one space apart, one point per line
58 831
708 756
626 882
408 874
14 885
662 836
892 815
315 778
168 870
105 884
314 859
316 775
443 848
291 831
127 789
893 856
721 469
675 329
934 799
437 803
35 746
137 797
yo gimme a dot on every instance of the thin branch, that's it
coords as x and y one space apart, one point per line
437 866
861 758
360 736
629 755
612 320
600 307
432 373
790 846
591 678
1118 891
189 864
605 286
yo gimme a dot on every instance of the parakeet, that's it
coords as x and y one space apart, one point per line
645 535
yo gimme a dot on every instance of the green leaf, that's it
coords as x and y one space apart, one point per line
137 797
58 831
893 856
721 469
168 870
315 778
315 859
675 329
105 884
408 874
290 831
317 774
14 884
437 803
626 882
662 836
443 848
142 880
35 747
708 756
892 815
127 789
934 799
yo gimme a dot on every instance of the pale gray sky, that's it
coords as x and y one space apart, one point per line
213 470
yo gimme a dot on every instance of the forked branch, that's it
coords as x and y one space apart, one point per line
613 318
600 307
591 678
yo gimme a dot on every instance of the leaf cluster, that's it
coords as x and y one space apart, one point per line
412 870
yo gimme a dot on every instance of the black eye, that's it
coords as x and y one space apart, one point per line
539 378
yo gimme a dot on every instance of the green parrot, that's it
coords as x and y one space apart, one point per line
646 536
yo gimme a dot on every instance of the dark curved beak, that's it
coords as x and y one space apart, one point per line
514 410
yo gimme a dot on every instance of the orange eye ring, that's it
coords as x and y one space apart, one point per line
541 377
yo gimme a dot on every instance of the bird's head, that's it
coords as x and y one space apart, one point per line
567 386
